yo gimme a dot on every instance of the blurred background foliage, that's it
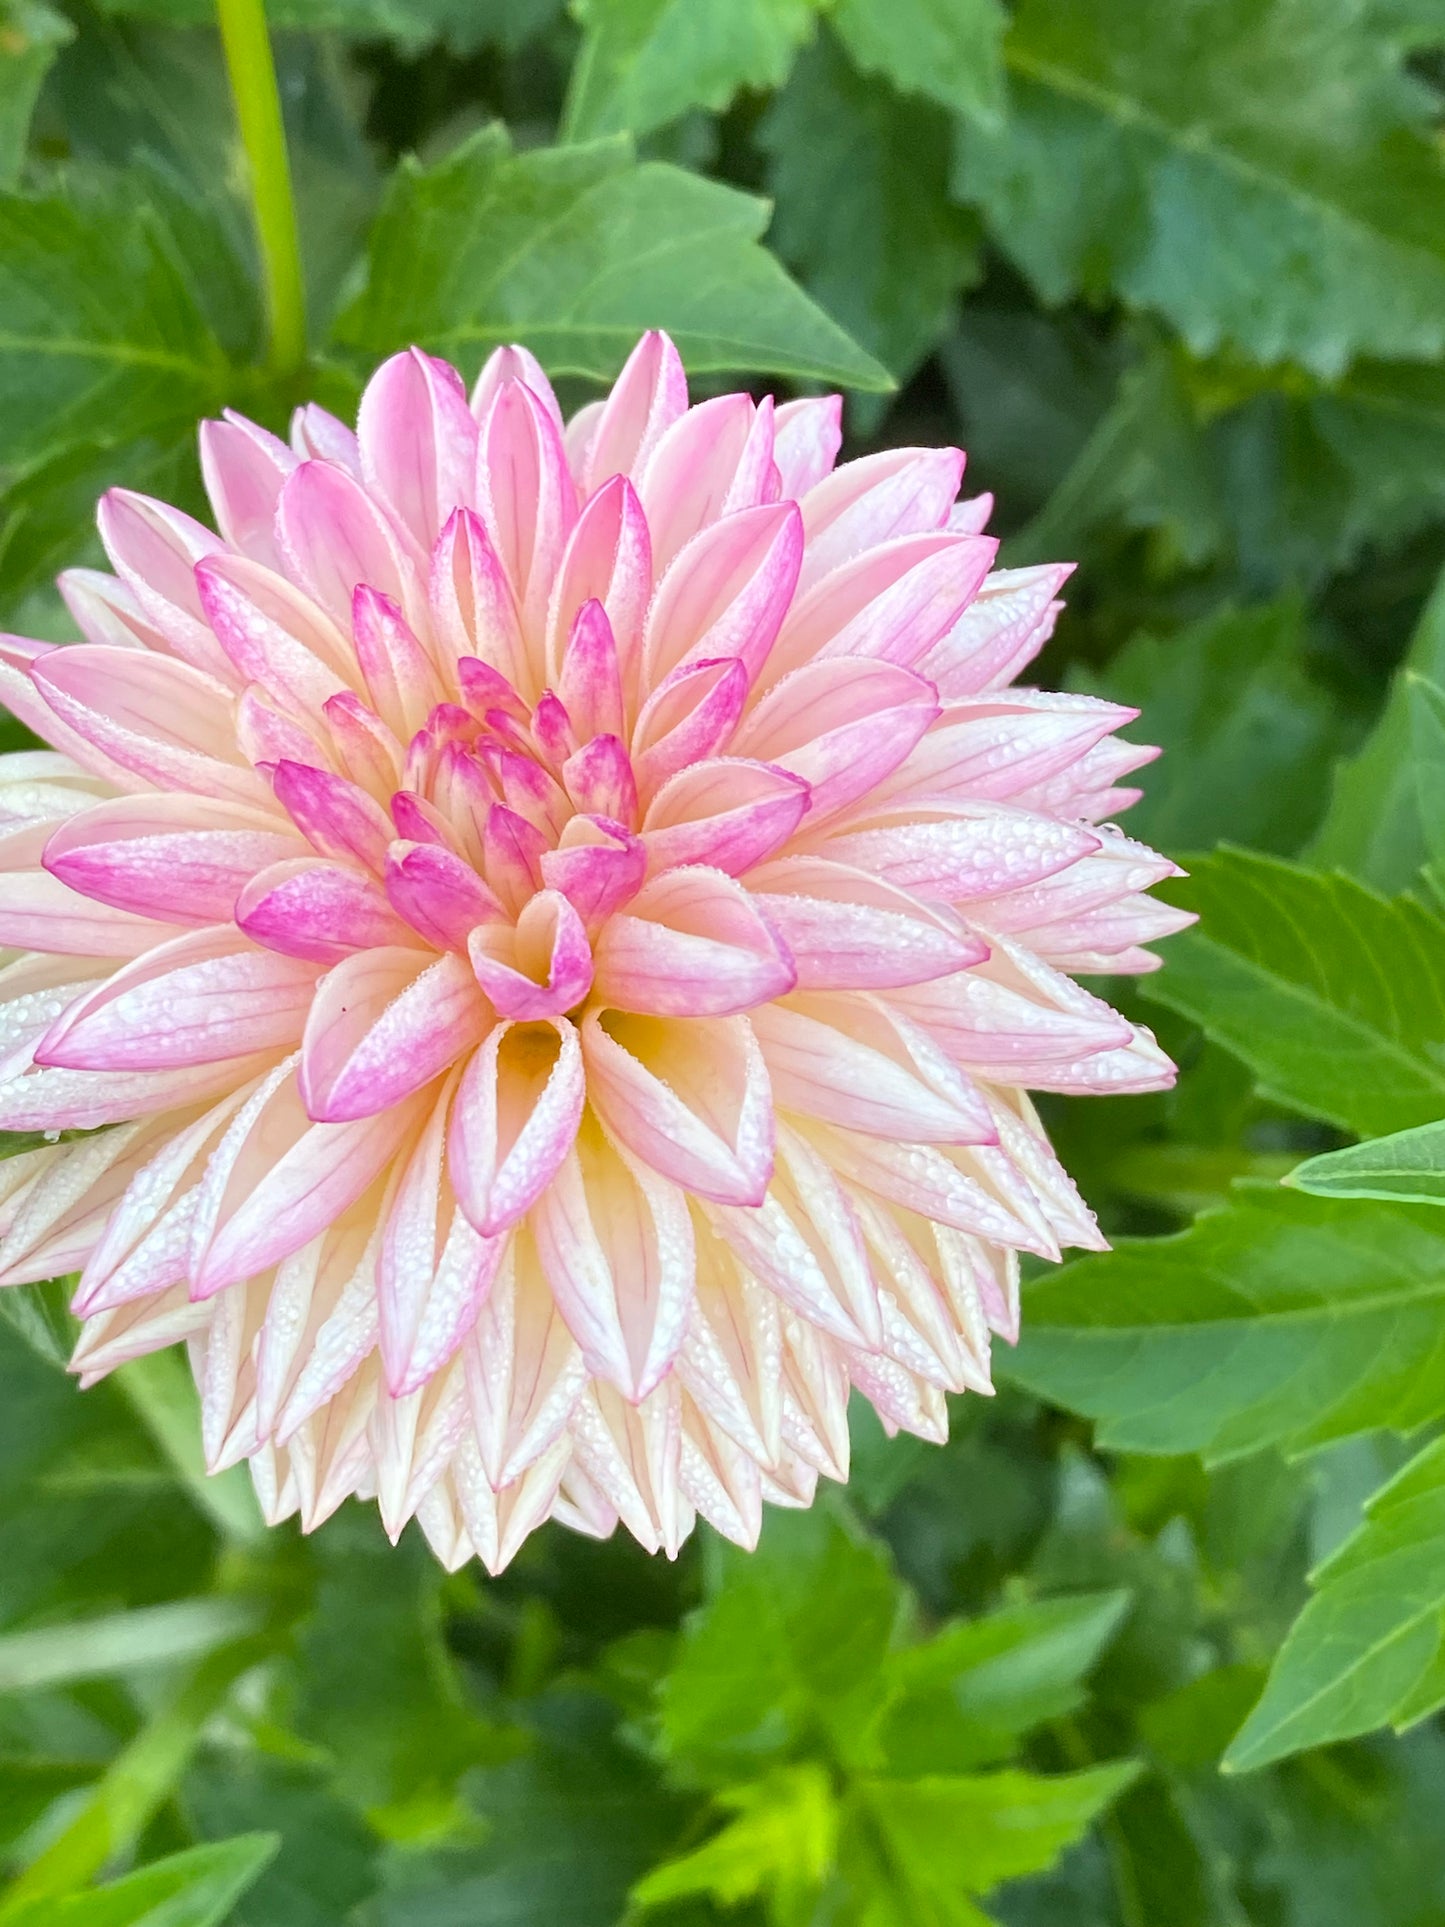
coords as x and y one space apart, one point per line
1173 272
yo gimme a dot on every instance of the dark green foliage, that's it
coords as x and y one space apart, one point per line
1173 272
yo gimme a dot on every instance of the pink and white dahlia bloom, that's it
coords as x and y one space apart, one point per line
558 921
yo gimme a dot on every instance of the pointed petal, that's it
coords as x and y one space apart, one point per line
727 813
615 1242
336 817
418 442
154 549
168 723
806 441
892 603
689 716
899 491
514 1120
525 1371
527 502
273 633
334 536
307 907
608 560
727 593
433 1271
693 943
277 1179
383 1024
692 476
244 468
201 999
439 895
845 929
691 1099
647 397
842 726
473 610
851 1061
184 859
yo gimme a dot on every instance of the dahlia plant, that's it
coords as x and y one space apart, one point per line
557 921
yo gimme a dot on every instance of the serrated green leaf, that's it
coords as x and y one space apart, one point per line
1358 1654
1278 1321
575 251
949 1836
99 329
31 34
1372 826
642 63
326 1865
948 50
863 218
781 1843
792 1637
399 1732
967 1695
1408 1166
193 1889
568 1828
1333 996
1249 735
1287 484
1260 173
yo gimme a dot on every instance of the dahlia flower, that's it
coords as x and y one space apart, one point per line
544 931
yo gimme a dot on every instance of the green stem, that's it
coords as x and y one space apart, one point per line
258 110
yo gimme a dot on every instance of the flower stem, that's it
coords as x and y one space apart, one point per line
258 110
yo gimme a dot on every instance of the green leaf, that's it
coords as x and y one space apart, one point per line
38 1313
413 25
1372 827
1028 389
100 332
107 362
569 1828
1408 1165
947 1836
781 1843
792 1638
31 34
150 1636
642 63
162 1393
1260 172
194 1889
863 217
1427 739
1248 735
133 1786
1278 1321
1333 996
948 50
398 1731
576 250
1370 1639
326 1865
90 1518
976 1687
131 97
